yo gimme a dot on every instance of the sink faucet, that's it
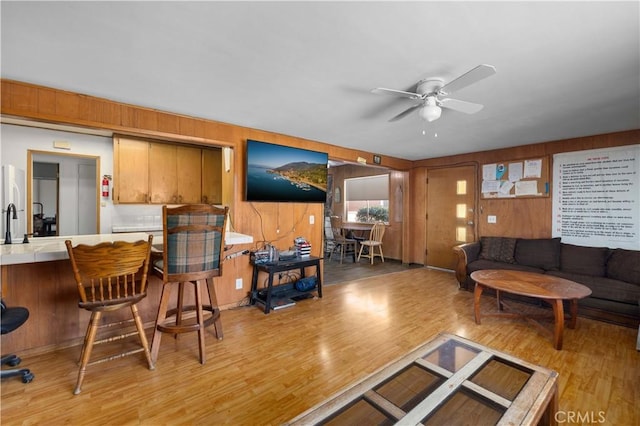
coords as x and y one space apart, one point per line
7 235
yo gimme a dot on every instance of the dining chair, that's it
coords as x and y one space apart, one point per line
374 241
193 244
341 243
110 276
329 242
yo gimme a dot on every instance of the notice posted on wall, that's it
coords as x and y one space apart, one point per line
515 179
596 197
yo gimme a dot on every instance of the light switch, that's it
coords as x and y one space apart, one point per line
312 219
491 219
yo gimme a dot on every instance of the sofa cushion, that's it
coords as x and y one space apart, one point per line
481 264
541 253
605 288
624 265
500 249
584 260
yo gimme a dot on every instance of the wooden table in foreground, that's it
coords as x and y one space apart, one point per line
551 289
449 380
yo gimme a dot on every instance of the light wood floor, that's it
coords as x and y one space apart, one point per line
270 368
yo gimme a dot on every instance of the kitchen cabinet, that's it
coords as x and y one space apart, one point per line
189 174
150 172
163 184
175 175
131 171
212 176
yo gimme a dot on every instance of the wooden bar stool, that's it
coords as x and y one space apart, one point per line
193 243
110 276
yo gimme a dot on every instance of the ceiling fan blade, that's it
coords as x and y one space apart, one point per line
405 112
478 73
394 92
461 106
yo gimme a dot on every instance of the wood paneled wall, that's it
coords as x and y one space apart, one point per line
526 217
277 223
280 223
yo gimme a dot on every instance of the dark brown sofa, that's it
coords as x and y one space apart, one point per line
613 275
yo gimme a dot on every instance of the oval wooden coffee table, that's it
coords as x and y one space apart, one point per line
553 290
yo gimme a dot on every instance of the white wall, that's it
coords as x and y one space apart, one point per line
16 140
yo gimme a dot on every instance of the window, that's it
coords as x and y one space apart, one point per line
367 199
461 213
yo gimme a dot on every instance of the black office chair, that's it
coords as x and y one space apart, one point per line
11 319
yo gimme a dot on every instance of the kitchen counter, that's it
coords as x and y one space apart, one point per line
45 249
39 277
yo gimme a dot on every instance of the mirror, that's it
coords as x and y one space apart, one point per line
62 194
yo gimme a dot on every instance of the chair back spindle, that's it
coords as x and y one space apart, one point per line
374 243
377 232
110 272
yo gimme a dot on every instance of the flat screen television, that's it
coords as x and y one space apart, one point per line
278 173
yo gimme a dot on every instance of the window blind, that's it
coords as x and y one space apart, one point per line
367 188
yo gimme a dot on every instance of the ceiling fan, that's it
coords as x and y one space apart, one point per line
430 94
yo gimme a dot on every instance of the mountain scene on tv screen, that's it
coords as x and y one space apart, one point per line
286 175
304 174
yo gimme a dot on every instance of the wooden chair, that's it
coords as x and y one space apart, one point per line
110 276
193 243
374 241
341 243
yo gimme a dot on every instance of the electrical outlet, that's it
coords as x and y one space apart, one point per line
491 219
312 219
238 283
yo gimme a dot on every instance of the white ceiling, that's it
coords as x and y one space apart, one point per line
564 69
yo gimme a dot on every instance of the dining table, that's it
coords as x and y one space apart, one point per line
357 230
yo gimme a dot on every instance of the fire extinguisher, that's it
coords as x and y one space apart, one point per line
105 186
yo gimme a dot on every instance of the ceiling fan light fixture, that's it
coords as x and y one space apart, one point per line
430 92
430 111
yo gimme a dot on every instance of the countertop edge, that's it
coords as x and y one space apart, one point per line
47 249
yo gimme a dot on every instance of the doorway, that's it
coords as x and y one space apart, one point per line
45 191
62 194
451 207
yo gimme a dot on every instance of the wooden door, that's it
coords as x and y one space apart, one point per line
163 181
131 174
450 213
212 168
189 174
